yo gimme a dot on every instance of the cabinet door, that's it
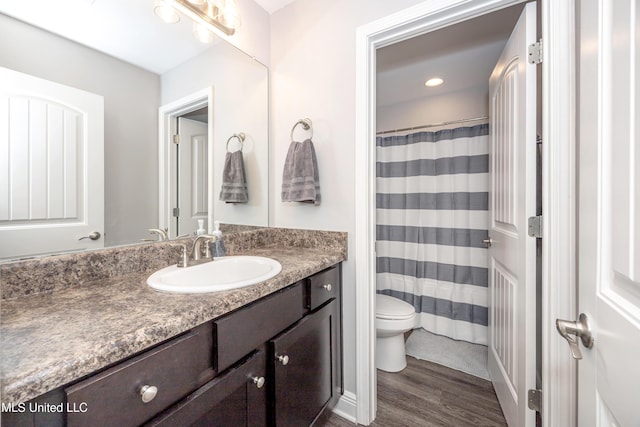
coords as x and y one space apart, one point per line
300 362
237 398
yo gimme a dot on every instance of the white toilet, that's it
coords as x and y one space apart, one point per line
394 317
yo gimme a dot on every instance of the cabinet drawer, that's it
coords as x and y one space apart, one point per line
114 396
323 287
244 330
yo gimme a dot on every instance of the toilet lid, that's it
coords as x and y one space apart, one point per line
393 308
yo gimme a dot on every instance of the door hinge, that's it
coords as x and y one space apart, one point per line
535 226
176 212
534 397
535 52
176 139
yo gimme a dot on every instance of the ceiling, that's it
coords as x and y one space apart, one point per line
463 55
273 5
125 29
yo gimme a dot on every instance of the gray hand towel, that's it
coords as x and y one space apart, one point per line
300 179
234 183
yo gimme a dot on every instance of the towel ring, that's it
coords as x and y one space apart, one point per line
306 125
239 136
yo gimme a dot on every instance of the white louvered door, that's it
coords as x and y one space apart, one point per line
512 333
51 166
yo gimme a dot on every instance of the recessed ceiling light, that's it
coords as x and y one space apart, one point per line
436 81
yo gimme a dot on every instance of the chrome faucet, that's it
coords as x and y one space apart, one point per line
196 255
160 232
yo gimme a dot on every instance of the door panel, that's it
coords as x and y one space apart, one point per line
52 173
512 331
303 384
609 212
192 174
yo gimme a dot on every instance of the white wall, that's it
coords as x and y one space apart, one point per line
240 104
435 109
313 75
253 35
131 99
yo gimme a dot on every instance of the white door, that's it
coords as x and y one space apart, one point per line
192 175
51 167
512 330
609 212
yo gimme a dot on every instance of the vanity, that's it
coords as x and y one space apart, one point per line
265 355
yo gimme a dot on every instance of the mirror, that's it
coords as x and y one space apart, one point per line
132 99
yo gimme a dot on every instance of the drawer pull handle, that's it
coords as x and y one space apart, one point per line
284 359
148 393
328 287
258 381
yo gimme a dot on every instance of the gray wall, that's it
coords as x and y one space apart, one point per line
240 104
131 101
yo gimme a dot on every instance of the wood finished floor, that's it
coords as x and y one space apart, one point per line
427 394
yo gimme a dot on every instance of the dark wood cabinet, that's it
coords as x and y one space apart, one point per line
274 362
120 396
301 371
236 398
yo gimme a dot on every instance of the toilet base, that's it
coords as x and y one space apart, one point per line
390 353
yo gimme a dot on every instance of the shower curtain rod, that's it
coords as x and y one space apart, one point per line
453 122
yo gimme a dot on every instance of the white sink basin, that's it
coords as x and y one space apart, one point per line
221 274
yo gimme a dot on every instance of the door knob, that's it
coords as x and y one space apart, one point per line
571 330
94 235
487 242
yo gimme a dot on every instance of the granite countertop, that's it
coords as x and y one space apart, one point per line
51 339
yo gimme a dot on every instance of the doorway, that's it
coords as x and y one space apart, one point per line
192 196
558 26
195 157
438 200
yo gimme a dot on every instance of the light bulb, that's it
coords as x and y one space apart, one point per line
436 81
202 33
165 11
228 13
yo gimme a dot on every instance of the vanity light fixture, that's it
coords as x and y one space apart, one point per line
209 16
436 81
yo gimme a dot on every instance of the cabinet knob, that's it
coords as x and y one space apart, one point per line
283 358
148 393
258 381
328 287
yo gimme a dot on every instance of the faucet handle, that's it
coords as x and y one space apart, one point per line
197 251
184 256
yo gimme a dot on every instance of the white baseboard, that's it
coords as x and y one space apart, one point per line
346 407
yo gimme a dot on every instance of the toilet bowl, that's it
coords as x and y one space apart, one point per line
394 317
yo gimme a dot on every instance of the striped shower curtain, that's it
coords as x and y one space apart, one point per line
432 217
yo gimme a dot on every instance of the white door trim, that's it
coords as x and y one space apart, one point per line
166 122
559 200
558 295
